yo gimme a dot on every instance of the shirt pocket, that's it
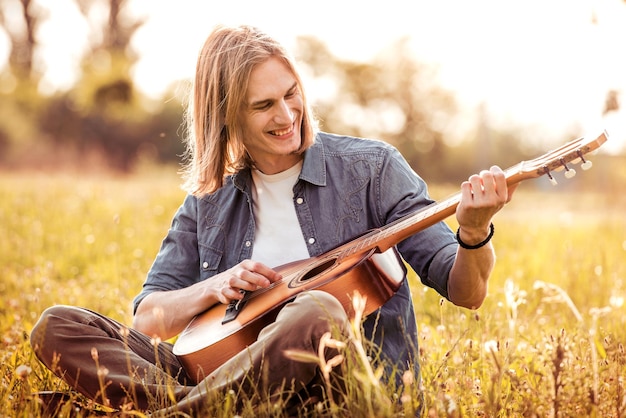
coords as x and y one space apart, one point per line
210 259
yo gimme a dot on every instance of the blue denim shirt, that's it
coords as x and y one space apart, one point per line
347 187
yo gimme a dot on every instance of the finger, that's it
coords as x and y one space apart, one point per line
501 188
481 183
231 293
263 275
251 276
488 182
466 191
267 272
249 281
226 293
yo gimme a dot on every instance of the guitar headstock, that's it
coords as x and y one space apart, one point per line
556 160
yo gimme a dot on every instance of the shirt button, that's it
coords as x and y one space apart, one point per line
299 200
205 265
248 243
311 240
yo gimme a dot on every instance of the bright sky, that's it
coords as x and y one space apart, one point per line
546 63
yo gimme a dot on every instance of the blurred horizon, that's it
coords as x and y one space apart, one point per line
530 73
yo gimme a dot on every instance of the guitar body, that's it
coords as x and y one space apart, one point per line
369 264
207 343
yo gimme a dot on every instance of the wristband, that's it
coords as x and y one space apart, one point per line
480 244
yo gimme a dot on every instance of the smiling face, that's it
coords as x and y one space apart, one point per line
271 117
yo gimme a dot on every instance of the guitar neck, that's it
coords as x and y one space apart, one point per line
391 234
395 232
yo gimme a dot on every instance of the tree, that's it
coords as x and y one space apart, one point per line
393 97
22 37
102 113
19 80
106 80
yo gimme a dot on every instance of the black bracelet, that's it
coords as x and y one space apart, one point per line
492 229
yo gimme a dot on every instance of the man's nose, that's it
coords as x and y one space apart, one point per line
284 113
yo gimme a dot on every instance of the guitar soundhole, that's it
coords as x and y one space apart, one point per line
315 271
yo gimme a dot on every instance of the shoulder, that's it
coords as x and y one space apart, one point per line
231 195
345 144
234 184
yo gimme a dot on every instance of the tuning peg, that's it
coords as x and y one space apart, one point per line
569 172
552 179
586 165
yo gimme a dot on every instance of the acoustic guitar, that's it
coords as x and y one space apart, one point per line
368 263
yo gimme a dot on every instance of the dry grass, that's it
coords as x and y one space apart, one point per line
548 342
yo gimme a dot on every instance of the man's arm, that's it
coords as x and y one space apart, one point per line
165 314
467 283
482 196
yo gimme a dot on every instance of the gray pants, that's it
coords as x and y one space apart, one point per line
115 365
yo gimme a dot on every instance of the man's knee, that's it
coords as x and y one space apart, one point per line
44 335
317 305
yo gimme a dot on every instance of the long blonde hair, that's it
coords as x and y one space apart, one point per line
213 138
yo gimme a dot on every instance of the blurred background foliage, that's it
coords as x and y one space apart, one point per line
104 121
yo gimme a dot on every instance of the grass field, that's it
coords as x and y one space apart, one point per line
549 340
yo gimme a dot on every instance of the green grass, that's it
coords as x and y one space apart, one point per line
549 340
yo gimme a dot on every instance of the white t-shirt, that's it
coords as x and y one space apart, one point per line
279 238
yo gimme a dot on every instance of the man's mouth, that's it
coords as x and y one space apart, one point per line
281 132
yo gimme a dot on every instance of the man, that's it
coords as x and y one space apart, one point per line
266 188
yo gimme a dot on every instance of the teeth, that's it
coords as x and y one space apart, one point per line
283 132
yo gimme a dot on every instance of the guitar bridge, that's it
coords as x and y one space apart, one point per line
234 307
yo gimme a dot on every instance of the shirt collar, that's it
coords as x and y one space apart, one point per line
313 168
